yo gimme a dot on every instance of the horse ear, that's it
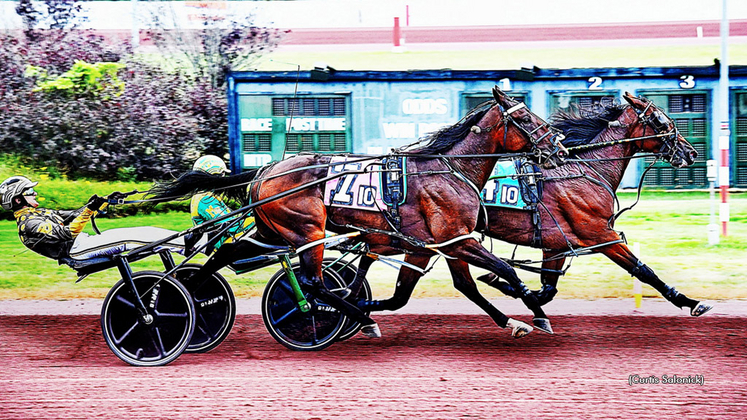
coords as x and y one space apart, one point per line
633 100
497 93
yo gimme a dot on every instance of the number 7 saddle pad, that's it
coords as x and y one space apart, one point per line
371 184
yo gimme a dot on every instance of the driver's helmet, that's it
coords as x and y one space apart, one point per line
210 164
13 187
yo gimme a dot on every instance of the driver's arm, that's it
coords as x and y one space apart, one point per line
92 208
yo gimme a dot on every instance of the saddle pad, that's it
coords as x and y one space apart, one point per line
355 190
505 189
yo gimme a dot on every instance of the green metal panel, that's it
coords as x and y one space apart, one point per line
471 100
690 113
565 101
275 126
738 148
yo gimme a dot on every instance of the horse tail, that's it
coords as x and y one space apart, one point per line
193 182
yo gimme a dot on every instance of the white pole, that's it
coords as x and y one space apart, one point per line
713 238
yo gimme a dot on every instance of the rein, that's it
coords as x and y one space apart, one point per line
615 142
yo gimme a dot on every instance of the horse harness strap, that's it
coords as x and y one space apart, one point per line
393 191
534 188
395 234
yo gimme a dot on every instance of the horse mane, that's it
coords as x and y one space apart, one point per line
445 138
581 125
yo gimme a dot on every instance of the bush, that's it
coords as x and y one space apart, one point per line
85 106
109 121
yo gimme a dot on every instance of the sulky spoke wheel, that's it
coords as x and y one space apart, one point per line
160 336
314 330
215 308
347 274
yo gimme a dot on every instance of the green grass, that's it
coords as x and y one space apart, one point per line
505 58
671 232
56 191
27 275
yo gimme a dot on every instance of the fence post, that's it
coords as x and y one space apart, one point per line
397 37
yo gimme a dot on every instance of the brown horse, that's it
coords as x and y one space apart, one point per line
577 210
441 208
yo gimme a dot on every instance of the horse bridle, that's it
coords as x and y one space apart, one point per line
556 139
657 120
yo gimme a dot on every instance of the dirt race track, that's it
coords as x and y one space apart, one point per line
425 367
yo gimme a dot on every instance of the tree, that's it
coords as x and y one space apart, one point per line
49 14
222 43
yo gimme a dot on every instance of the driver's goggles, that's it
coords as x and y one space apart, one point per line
29 193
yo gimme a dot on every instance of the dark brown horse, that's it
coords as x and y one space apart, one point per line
577 210
441 208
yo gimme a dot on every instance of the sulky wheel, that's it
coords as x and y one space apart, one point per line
314 330
157 337
215 308
347 272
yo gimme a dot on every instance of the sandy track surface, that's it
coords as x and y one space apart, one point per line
426 367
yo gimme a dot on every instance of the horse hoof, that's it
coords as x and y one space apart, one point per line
518 328
700 309
543 324
371 331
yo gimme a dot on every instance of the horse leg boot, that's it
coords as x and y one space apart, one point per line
464 283
310 279
318 289
540 320
473 253
621 255
543 295
551 271
406 282
643 273
549 278
360 275
495 282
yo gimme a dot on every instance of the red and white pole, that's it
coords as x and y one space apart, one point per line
724 135
723 178
397 33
